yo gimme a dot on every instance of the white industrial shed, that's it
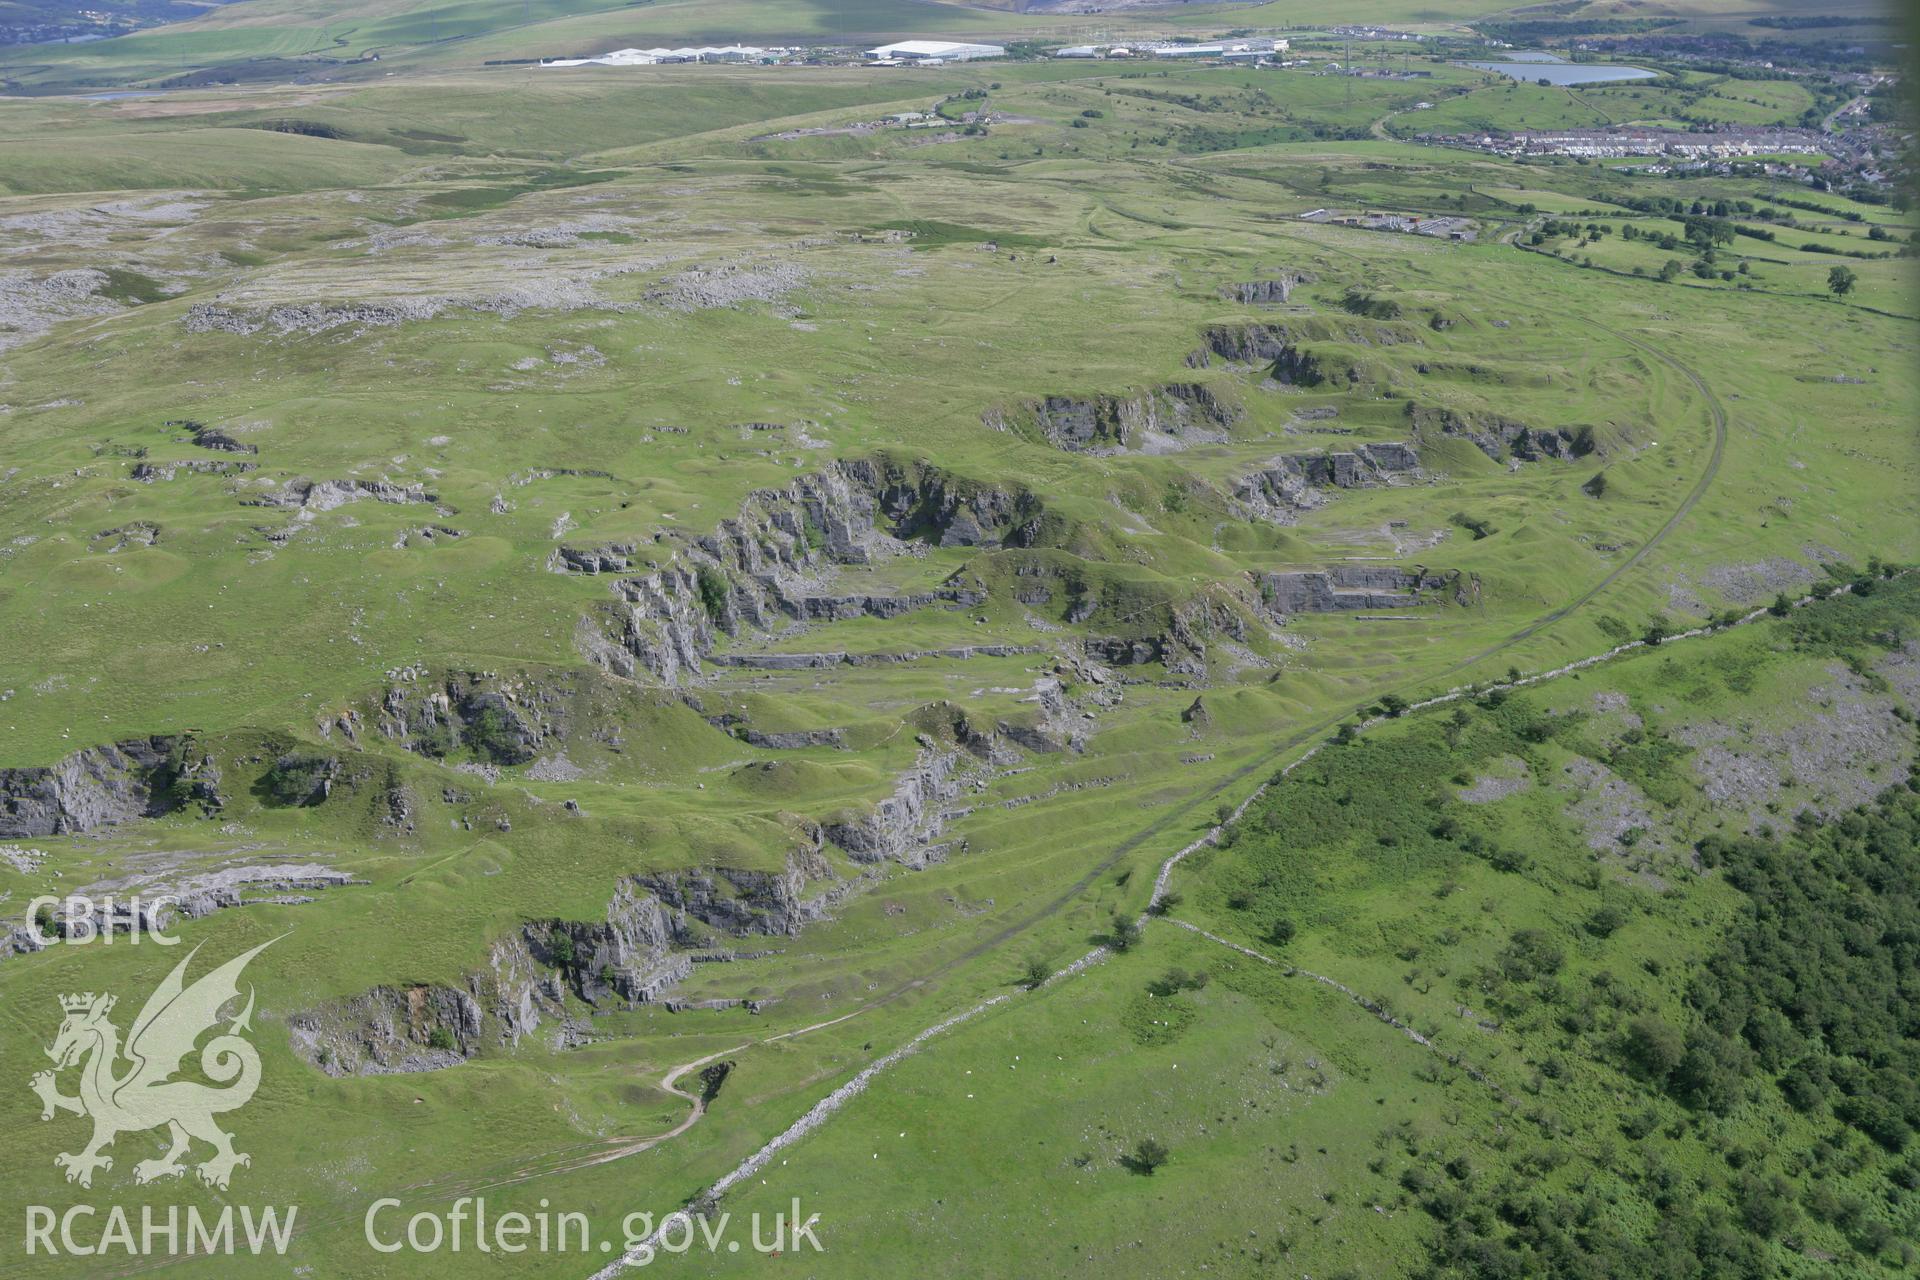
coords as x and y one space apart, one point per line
934 51
654 57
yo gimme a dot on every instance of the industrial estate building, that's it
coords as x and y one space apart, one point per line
656 57
932 52
928 53
1248 50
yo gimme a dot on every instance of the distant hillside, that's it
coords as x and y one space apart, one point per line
40 21
256 39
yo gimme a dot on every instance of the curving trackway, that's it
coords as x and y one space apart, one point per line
823 1109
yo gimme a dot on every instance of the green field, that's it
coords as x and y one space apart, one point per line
635 566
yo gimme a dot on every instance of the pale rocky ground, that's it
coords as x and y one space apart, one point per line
1509 777
1610 810
1842 754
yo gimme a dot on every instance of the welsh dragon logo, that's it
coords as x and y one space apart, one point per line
145 1094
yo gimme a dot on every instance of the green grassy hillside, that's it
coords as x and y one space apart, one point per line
623 570
1632 1056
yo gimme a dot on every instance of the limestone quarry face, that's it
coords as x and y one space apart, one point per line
657 924
1164 419
502 722
1296 482
613 557
771 566
205 437
390 1030
1499 437
156 890
903 826
1307 352
101 786
1181 647
1346 588
1272 349
1241 344
1265 293
763 568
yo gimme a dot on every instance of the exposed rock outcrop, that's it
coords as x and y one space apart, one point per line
805 661
207 437
1299 481
1194 626
1353 587
390 1030
521 479
738 903
1258 293
902 827
614 557
1160 420
141 533
793 740
499 721
153 472
1308 352
325 495
638 952
100 786
149 901
1500 437
1123 651
202 894
1241 344
950 721
1182 646
767 566
1272 349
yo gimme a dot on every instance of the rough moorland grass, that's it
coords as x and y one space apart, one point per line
259 643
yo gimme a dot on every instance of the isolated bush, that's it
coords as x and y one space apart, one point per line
1606 921
299 778
713 592
1147 1155
1652 1048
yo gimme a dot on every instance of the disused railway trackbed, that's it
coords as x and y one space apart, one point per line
825 1108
